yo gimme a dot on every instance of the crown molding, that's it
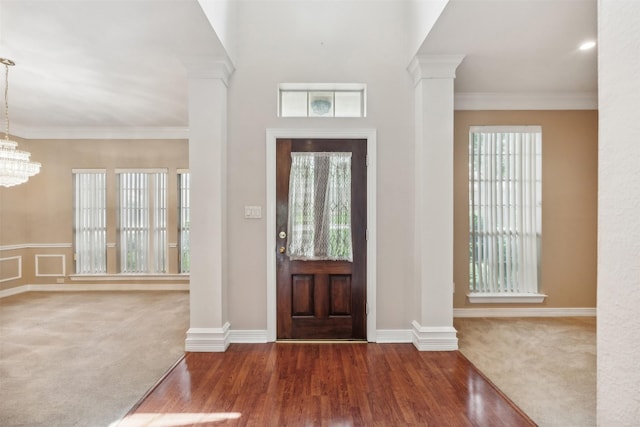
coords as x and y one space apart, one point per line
434 67
526 101
135 132
208 68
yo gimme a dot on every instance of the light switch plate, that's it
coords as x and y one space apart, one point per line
253 212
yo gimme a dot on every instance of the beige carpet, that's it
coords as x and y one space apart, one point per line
83 359
547 366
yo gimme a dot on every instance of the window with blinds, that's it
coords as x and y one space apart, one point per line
142 221
184 220
505 202
90 221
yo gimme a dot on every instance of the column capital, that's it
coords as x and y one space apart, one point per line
199 67
434 67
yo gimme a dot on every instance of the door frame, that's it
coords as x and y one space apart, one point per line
272 135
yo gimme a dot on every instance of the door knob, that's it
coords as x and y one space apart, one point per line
282 249
282 235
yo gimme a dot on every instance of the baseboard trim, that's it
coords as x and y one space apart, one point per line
434 338
260 336
14 291
95 287
525 312
247 336
393 336
212 340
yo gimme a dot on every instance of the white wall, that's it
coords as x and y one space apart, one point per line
619 213
326 41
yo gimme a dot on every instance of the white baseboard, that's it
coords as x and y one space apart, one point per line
434 338
14 291
259 336
525 312
383 336
213 340
246 336
392 336
56 287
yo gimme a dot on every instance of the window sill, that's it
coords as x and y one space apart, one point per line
488 298
128 277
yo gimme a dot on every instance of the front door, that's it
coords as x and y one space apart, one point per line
321 294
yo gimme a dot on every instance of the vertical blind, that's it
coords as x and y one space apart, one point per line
90 222
184 220
143 222
319 219
504 208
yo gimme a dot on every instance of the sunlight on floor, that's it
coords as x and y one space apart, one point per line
174 420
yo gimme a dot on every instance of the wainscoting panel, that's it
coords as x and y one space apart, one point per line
10 268
50 265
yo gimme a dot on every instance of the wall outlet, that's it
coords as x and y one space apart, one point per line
60 280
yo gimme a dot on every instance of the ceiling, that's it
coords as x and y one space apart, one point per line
115 64
522 46
101 63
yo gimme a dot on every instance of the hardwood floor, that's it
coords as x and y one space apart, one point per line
291 384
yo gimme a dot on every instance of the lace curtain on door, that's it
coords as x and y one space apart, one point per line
319 225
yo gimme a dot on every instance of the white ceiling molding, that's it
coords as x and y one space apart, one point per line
100 132
526 101
434 67
209 68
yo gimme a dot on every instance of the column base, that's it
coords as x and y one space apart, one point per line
434 338
212 340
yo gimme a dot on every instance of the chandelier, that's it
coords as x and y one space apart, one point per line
15 166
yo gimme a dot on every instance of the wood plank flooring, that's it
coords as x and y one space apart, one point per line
351 384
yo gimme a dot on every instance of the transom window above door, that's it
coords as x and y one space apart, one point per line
322 100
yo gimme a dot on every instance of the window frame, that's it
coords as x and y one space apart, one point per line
184 227
155 257
97 226
528 293
322 90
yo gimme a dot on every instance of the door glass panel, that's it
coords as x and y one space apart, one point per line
319 220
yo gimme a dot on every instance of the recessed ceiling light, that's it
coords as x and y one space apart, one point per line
587 45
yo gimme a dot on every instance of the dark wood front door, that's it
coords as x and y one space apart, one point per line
322 299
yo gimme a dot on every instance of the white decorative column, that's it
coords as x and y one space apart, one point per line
618 334
209 326
433 77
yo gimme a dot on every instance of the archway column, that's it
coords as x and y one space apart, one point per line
433 325
209 324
